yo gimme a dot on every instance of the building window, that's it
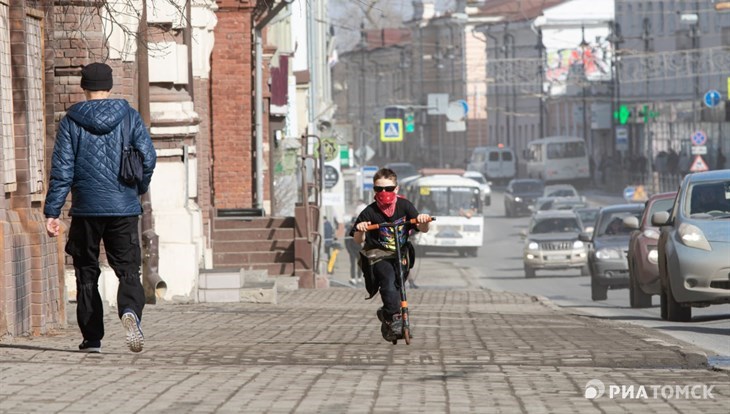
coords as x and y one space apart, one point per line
36 125
6 102
660 29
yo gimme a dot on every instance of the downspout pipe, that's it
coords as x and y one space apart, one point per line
259 118
154 286
259 99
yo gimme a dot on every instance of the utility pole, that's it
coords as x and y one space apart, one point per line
510 106
541 81
646 35
583 46
495 89
359 138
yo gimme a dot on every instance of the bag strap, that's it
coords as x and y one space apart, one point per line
125 132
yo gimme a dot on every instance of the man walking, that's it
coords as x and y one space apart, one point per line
86 161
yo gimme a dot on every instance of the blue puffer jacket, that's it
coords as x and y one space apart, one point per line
86 159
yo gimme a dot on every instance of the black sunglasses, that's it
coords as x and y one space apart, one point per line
389 188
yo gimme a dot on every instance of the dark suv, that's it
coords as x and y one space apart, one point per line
520 194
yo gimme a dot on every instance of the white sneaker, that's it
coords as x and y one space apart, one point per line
353 282
135 338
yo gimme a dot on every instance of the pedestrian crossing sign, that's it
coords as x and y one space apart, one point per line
391 130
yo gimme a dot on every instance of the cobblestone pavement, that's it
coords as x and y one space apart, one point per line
320 351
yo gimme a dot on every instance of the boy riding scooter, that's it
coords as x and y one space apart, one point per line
378 257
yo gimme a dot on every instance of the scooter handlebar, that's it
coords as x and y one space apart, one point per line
412 221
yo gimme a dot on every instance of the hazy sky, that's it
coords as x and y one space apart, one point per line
346 16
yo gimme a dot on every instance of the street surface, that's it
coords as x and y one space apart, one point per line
499 267
474 350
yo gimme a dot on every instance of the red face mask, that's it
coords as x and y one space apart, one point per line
386 202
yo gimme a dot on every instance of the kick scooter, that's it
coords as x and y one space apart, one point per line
405 334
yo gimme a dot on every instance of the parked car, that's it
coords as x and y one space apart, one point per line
608 247
694 245
551 242
643 255
484 186
588 216
402 169
520 194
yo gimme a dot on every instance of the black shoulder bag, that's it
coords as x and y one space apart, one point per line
130 171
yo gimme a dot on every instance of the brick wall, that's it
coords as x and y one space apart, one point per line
231 110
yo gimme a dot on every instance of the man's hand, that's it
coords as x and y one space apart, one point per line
362 226
53 226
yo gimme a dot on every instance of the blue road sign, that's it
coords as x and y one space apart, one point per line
629 193
368 172
699 138
712 98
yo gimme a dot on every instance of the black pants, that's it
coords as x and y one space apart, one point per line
385 272
121 241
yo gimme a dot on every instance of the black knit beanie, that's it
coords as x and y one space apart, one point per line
97 77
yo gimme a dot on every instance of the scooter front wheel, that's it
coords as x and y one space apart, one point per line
395 342
407 335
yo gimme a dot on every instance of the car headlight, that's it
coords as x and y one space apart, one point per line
578 244
518 199
533 246
692 236
651 234
653 256
608 254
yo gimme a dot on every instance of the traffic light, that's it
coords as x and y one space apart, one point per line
622 115
409 121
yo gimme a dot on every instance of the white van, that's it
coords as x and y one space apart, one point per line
558 159
496 163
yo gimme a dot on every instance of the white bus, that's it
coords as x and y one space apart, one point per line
558 159
456 203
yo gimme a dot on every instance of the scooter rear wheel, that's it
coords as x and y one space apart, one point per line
395 342
407 335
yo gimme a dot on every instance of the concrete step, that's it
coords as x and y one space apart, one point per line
238 246
223 223
247 235
222 278
254 292
245 260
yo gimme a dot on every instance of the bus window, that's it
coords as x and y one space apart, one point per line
560 150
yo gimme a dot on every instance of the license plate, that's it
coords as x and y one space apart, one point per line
554 258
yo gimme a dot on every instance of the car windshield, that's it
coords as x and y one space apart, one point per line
478 178
527 187
661 205
588 216
555 225
560 192
448 201
612 224
709 200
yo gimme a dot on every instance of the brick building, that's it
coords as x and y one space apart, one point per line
199 104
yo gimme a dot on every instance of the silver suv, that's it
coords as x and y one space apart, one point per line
551 242
694 246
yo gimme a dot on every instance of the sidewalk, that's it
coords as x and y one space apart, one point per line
320 351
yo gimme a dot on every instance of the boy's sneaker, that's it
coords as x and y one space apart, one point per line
92 347
135 338
397 325
353 282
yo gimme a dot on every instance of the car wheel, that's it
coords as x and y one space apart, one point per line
585 271
637 298
507 211
598 292
473 251
529 272
675 311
